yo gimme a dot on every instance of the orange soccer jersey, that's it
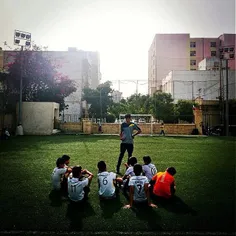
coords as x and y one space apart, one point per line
163 184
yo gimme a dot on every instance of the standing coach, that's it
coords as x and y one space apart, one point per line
126 136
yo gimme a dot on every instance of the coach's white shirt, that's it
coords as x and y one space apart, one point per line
149 170
130 171
138 183
76 188
57 174
106 185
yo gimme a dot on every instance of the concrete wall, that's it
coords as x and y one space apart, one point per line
38 117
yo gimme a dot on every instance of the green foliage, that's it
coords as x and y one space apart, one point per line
110 118
163 107
139 104
184 110
160 105
99 98
41 81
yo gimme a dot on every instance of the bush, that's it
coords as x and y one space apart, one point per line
110 118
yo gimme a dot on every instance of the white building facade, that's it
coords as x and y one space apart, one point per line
189 85
84 68
116 96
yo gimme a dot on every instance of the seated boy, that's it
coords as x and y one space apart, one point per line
130 167
66 159
64 186
58 174
149 169
78 189
129 172
139 191
163 183
106 182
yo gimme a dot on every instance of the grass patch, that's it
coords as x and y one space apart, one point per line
205 182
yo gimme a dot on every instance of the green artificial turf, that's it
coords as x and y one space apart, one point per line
205 183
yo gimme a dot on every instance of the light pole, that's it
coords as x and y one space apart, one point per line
22 39
227 100
101 105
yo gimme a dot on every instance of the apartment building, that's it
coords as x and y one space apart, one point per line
172 52
81 66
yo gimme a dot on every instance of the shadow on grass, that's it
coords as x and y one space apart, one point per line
175 205
24 142
148 214
110 207
145 213
76 212
55 198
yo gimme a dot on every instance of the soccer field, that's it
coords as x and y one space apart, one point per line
205 183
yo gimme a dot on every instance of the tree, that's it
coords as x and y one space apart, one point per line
139 104
163 107
118 108
184 110
41 80
99 98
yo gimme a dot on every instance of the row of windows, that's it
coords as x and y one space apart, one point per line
193 62
193 44
213 45
193 53
231 56
226 49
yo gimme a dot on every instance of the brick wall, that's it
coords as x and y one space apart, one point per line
94 128
146 128
198 120
110 128
71 127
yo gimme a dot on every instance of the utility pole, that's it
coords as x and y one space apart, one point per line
22 39
221 96
192 91
137 87
227 101
21 87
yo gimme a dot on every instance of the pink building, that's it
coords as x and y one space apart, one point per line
167 52
170 52
227 49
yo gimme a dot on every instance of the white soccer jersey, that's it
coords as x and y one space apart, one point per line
138 182
76 188
130 171
149 170
57 175
106 186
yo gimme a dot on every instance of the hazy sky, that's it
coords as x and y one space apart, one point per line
121 30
